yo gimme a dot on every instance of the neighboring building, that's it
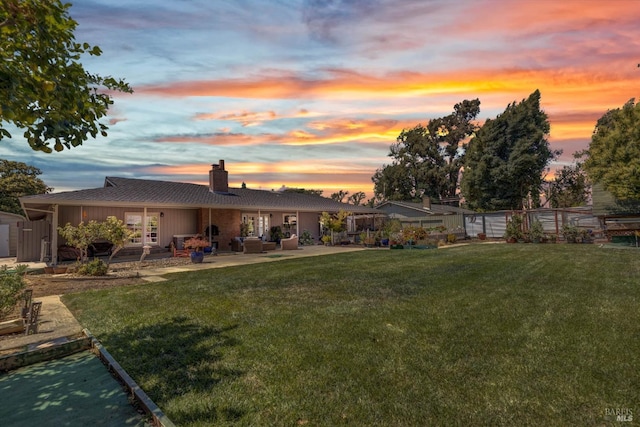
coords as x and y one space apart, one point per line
162 212
9 233
620 219
425 214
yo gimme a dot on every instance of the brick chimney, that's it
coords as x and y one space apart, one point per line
218 178
426 202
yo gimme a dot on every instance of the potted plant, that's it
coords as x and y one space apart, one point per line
276 234
197 245
536 231
513 233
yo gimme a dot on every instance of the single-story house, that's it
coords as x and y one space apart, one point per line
425 214
9 233
161 212
620 219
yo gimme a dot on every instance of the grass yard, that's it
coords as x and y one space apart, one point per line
476 335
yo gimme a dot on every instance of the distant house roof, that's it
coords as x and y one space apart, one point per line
131 192
412 209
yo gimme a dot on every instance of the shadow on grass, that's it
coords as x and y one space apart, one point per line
175 358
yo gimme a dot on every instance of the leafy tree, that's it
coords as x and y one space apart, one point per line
356 198
334 223
570 187
303 191
613 157
339 196
18 179
507 157
427 159
115 231
81 237
44 89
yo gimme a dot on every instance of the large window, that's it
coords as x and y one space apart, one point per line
257 225
144 229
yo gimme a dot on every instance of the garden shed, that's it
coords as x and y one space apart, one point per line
620 219
425 214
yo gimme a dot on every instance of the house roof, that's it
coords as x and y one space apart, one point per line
605 204
132 192
419 207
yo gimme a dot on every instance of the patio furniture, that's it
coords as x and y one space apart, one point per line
289 244
252 245
32 321
28 324
268 246
236 244
27 296
180 252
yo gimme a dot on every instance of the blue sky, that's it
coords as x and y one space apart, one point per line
312 93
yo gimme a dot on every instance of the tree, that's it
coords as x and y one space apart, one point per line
339 196
613 156
334 223
81 237
18 179
569 188
303 191
506 159
115 231
427 160
44 89
356 198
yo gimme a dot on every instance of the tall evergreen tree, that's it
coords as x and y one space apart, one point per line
427 159
613 157
506 159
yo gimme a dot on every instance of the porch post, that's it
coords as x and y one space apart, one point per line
298 223
54 236
144 226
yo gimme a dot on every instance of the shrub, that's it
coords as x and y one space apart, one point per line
11 286
451 238
306 238
413 234
97 267
514 228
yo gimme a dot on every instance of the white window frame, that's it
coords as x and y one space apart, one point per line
148 232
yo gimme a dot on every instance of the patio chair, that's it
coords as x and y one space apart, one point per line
289 244
180 252
31 326
252 246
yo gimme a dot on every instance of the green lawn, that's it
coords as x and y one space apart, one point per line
477 335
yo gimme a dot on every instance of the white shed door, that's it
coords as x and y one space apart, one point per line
4 240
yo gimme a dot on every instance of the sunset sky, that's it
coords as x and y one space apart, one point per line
312 93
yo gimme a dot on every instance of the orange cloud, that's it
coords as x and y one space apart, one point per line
328 175
245 118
